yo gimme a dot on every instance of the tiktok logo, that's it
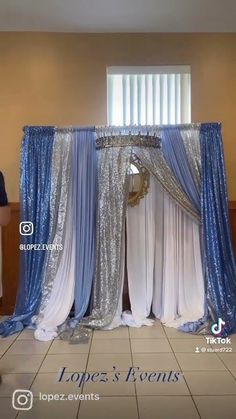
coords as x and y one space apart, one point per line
217 328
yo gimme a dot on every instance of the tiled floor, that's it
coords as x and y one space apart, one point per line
207 388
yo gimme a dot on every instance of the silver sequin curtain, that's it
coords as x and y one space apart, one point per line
112 200
61 174
191 142
153 160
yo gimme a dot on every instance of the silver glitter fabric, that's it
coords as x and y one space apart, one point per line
138 140
152 130
113 183
79 334
192 146
60 180
154 161
113 165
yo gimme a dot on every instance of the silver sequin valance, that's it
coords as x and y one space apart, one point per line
128 140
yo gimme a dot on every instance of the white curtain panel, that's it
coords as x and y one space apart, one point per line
178 295
140 222
163 263
140 259
62 296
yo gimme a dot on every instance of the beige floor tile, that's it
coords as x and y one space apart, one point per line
105 362
164 407
188 345
150 345
216 407
10 338
10 364
10 382
118 333
72 362
112 386
114 346
6 409
156 323
210 382
63 347
229 360
199 362
109 408
159 384
48 383
155 361
175 333
21 347
234 372
26 334
147 332
59 409
233 340
5 344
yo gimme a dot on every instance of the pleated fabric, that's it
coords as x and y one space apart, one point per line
59 202
178 276
140 259
84 165
62 294
163 262
35 190
72 280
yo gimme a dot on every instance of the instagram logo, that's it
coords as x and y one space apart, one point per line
22 399
26 228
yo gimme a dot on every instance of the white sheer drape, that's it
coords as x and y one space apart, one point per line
163 263
178 279
140 259
62 295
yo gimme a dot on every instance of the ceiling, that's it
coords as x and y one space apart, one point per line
118 15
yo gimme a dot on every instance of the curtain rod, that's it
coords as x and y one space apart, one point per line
141 128
145 127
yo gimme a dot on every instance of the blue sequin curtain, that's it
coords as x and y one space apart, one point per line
176 157
84 166
35 178
219 257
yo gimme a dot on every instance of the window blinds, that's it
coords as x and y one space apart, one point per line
149 96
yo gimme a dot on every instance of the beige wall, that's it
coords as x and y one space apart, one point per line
60 79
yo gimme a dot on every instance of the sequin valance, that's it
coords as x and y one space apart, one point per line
128 140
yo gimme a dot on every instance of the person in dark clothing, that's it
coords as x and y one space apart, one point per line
4 208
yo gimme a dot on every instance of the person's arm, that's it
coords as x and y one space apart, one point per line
5 211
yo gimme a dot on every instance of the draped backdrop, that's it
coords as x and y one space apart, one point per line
74 185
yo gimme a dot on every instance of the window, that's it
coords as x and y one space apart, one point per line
149 95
